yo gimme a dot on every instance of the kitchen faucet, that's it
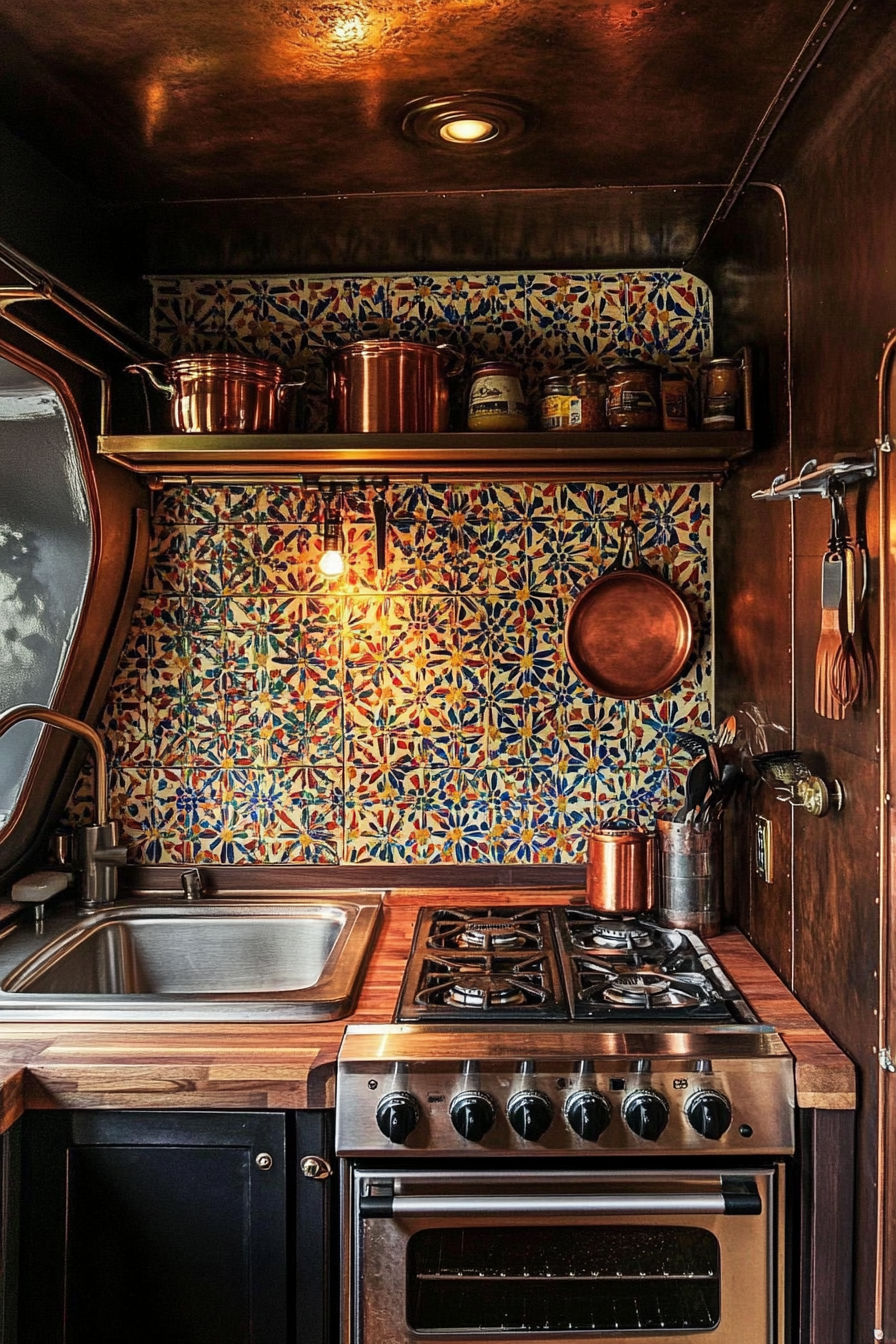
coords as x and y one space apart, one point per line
99 853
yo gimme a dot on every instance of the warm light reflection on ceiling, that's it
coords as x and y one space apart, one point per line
174 77
324 34
349 29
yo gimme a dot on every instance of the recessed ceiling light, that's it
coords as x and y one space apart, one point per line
467 130
467 122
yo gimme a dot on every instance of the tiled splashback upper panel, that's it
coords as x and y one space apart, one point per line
547 323
423 713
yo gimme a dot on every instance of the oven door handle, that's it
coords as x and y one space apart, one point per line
733 1196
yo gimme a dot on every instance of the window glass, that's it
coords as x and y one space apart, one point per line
45 546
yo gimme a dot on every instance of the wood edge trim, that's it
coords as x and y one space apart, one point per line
12 1098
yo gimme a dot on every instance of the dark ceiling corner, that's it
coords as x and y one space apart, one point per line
93 248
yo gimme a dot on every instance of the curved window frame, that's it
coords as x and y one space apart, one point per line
116 503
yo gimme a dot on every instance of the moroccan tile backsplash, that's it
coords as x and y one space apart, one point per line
546 323
424 713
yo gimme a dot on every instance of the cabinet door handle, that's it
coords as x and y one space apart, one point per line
264 1161
316 1168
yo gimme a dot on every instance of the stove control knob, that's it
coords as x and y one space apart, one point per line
646 1113
709 1113
587 1114
472 1115
397 1116
529 1113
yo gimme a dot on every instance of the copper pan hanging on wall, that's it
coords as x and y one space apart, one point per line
629 634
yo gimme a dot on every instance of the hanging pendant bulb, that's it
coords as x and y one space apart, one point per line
332 561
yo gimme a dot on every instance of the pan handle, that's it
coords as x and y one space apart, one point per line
628 542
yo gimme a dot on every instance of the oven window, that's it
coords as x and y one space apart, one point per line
556 1279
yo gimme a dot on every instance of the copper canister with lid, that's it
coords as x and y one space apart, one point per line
620 876
633 396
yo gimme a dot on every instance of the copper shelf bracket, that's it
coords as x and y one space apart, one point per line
820 480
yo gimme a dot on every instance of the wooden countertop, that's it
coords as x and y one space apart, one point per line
292 1066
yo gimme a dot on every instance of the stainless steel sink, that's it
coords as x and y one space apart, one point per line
295 959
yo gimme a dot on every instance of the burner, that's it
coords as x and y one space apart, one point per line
496 933
486 929
484 991
606 931
648 991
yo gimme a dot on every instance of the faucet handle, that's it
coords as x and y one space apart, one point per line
191 881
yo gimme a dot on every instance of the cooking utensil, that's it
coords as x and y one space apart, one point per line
221 394
864 643
846 671
727 731
629 634
692 743
620 868
829 638
390 387
697 785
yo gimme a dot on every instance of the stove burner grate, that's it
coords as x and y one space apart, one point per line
467 984
622 933
485 929
485 991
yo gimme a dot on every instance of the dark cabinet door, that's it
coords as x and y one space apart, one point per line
150 1226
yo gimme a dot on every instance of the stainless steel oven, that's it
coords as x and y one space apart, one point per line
561 1181
625 1254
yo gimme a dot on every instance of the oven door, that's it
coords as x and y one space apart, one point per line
623 1255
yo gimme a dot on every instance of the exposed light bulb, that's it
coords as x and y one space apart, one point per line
331 564
467 130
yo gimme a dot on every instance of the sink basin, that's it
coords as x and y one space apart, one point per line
291 959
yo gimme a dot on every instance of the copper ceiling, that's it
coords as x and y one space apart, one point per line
271 98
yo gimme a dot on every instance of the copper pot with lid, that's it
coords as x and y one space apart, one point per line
221 394
390 387
620 874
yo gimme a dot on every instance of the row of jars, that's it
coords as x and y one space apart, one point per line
628 396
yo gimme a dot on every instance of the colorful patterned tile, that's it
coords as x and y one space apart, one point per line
497 325
428 308
575 321
421 502
564 555
669 318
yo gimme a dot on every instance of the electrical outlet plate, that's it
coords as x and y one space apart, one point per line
764 858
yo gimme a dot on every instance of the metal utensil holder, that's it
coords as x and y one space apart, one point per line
688 889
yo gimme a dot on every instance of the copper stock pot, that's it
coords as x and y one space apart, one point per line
620 874
390 387
221 394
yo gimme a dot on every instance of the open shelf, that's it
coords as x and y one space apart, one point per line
694 455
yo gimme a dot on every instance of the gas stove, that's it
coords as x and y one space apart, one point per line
555 964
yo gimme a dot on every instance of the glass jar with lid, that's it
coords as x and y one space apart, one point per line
633 396
496 398
588 409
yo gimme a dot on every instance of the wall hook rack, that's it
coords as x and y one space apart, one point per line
817 480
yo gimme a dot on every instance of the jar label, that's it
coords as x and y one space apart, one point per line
555 410
494 395
631 399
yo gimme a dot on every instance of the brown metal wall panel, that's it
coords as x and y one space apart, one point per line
745 262
841 197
